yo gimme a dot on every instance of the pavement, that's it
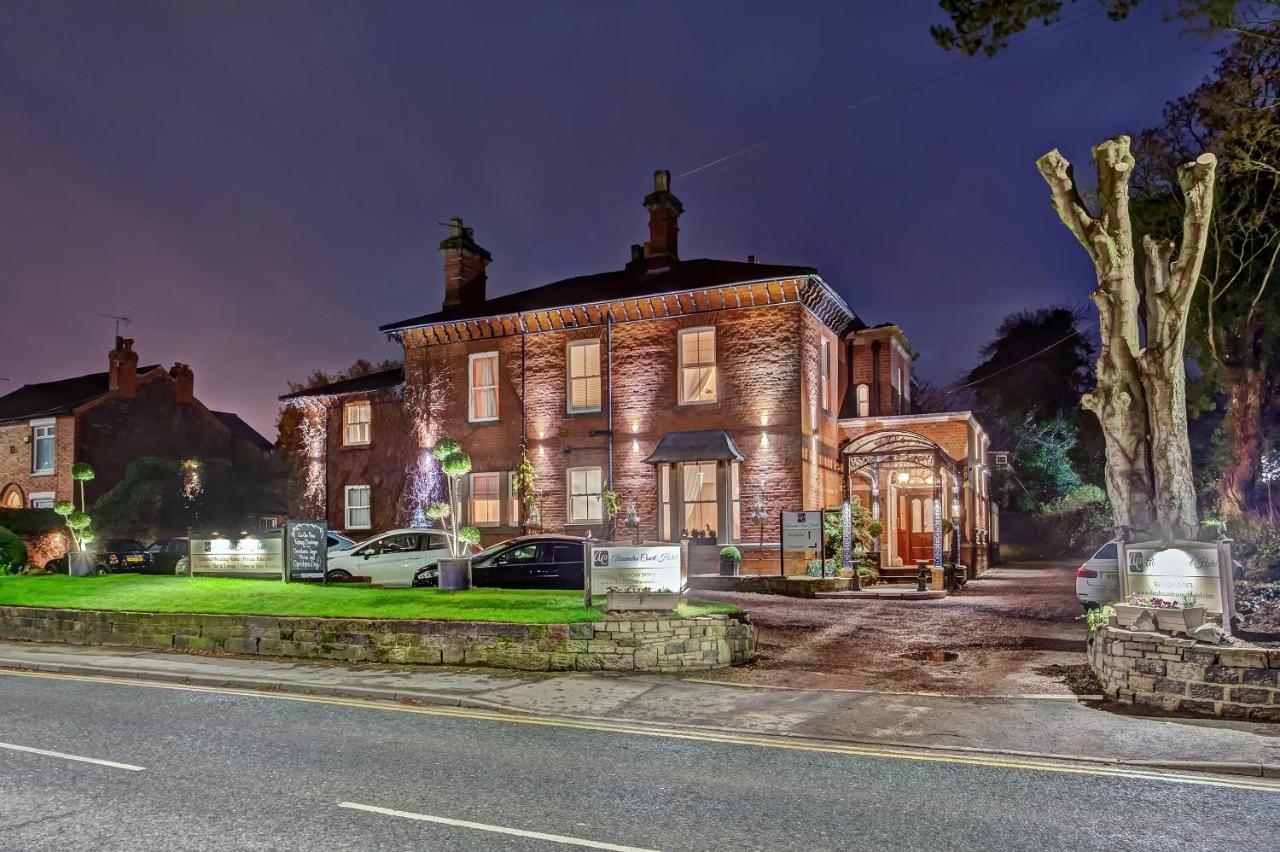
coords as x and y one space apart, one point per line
1050 727
110 764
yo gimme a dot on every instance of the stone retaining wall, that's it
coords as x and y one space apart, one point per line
648 645
1178 673
795 587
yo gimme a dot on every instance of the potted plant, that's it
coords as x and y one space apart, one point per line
641 599
79 560
455 570
1174 615
729 558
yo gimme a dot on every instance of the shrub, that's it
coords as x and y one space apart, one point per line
30 522
1256 543
13 553
732 554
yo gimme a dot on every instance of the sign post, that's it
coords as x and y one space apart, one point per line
800 531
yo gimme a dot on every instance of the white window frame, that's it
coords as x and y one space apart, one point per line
570 378
571 494
862 397
824 373
347 507
665 508
367 424
513 500
471 388
681 366
473 515
41 497
51 424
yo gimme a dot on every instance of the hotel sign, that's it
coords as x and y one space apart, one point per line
801 530
1180 573
652 567
249 556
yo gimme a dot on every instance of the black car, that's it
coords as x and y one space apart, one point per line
163 555
110 556
527 562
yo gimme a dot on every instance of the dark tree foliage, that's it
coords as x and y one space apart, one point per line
987 25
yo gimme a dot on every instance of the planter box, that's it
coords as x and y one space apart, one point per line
616 601
455 574
1170 620
728 567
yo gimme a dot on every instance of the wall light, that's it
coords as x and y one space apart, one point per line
764 438
635 445
904 477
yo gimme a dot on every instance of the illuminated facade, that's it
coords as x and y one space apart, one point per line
689 387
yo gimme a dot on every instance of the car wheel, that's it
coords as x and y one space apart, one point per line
338 574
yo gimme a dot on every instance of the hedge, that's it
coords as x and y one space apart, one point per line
13 553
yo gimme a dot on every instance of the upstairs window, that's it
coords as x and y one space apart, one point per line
483 382
42 446
584 376
356 418
584 495
864 401
486 505
697 365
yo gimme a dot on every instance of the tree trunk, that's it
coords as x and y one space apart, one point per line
1244 420
1140 399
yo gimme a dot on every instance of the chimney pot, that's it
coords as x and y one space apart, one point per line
661 251
184 381
122 367
464 265
751 258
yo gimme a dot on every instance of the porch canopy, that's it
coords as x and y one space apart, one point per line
892 450
696 445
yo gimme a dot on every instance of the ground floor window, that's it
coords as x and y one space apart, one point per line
585 485
735 501
11 497
664 501
357 514
486 503
42 499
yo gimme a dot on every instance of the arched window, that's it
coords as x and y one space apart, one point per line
11 497
864 401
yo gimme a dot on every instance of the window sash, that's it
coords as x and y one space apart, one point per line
357 418
482 379
664 501
357 511
486 500
698 481
585 485
584 376
697 354
864 401
43 448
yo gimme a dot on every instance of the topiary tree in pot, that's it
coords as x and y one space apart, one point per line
455 572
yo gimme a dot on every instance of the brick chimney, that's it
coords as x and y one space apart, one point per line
464 266
664 209
184 384
122 367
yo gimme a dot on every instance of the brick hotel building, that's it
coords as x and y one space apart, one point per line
690 387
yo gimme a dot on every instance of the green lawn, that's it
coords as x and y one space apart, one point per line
137 593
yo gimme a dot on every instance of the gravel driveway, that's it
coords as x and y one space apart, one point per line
1013 631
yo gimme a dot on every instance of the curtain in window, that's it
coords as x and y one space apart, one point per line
484 387
358 511
584 376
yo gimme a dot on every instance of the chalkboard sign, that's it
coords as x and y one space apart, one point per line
306 551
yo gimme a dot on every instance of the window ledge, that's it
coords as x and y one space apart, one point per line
44 473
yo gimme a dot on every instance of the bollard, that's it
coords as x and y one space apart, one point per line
922 580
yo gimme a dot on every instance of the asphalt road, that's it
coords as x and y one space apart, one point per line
214 771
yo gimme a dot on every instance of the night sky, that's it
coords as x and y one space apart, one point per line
258 185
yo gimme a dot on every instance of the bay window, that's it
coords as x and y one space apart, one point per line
699 491
482 381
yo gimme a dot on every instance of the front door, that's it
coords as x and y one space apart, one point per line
920 538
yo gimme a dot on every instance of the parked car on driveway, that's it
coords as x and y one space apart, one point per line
110 556
1098 579
390 559
526 562
163 555
335 541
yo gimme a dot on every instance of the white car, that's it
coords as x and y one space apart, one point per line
390 559
337 541
1098 579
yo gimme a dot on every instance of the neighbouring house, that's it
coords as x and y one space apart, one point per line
689 387
106 419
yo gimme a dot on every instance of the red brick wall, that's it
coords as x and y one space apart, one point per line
15 459
115 431
384 464
758 355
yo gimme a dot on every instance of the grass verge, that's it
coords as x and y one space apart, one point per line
216 595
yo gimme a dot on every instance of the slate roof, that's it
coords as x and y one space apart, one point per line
604 286
696 445
59 397
241 431
374 381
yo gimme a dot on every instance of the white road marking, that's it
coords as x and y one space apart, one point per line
110 763
496 829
